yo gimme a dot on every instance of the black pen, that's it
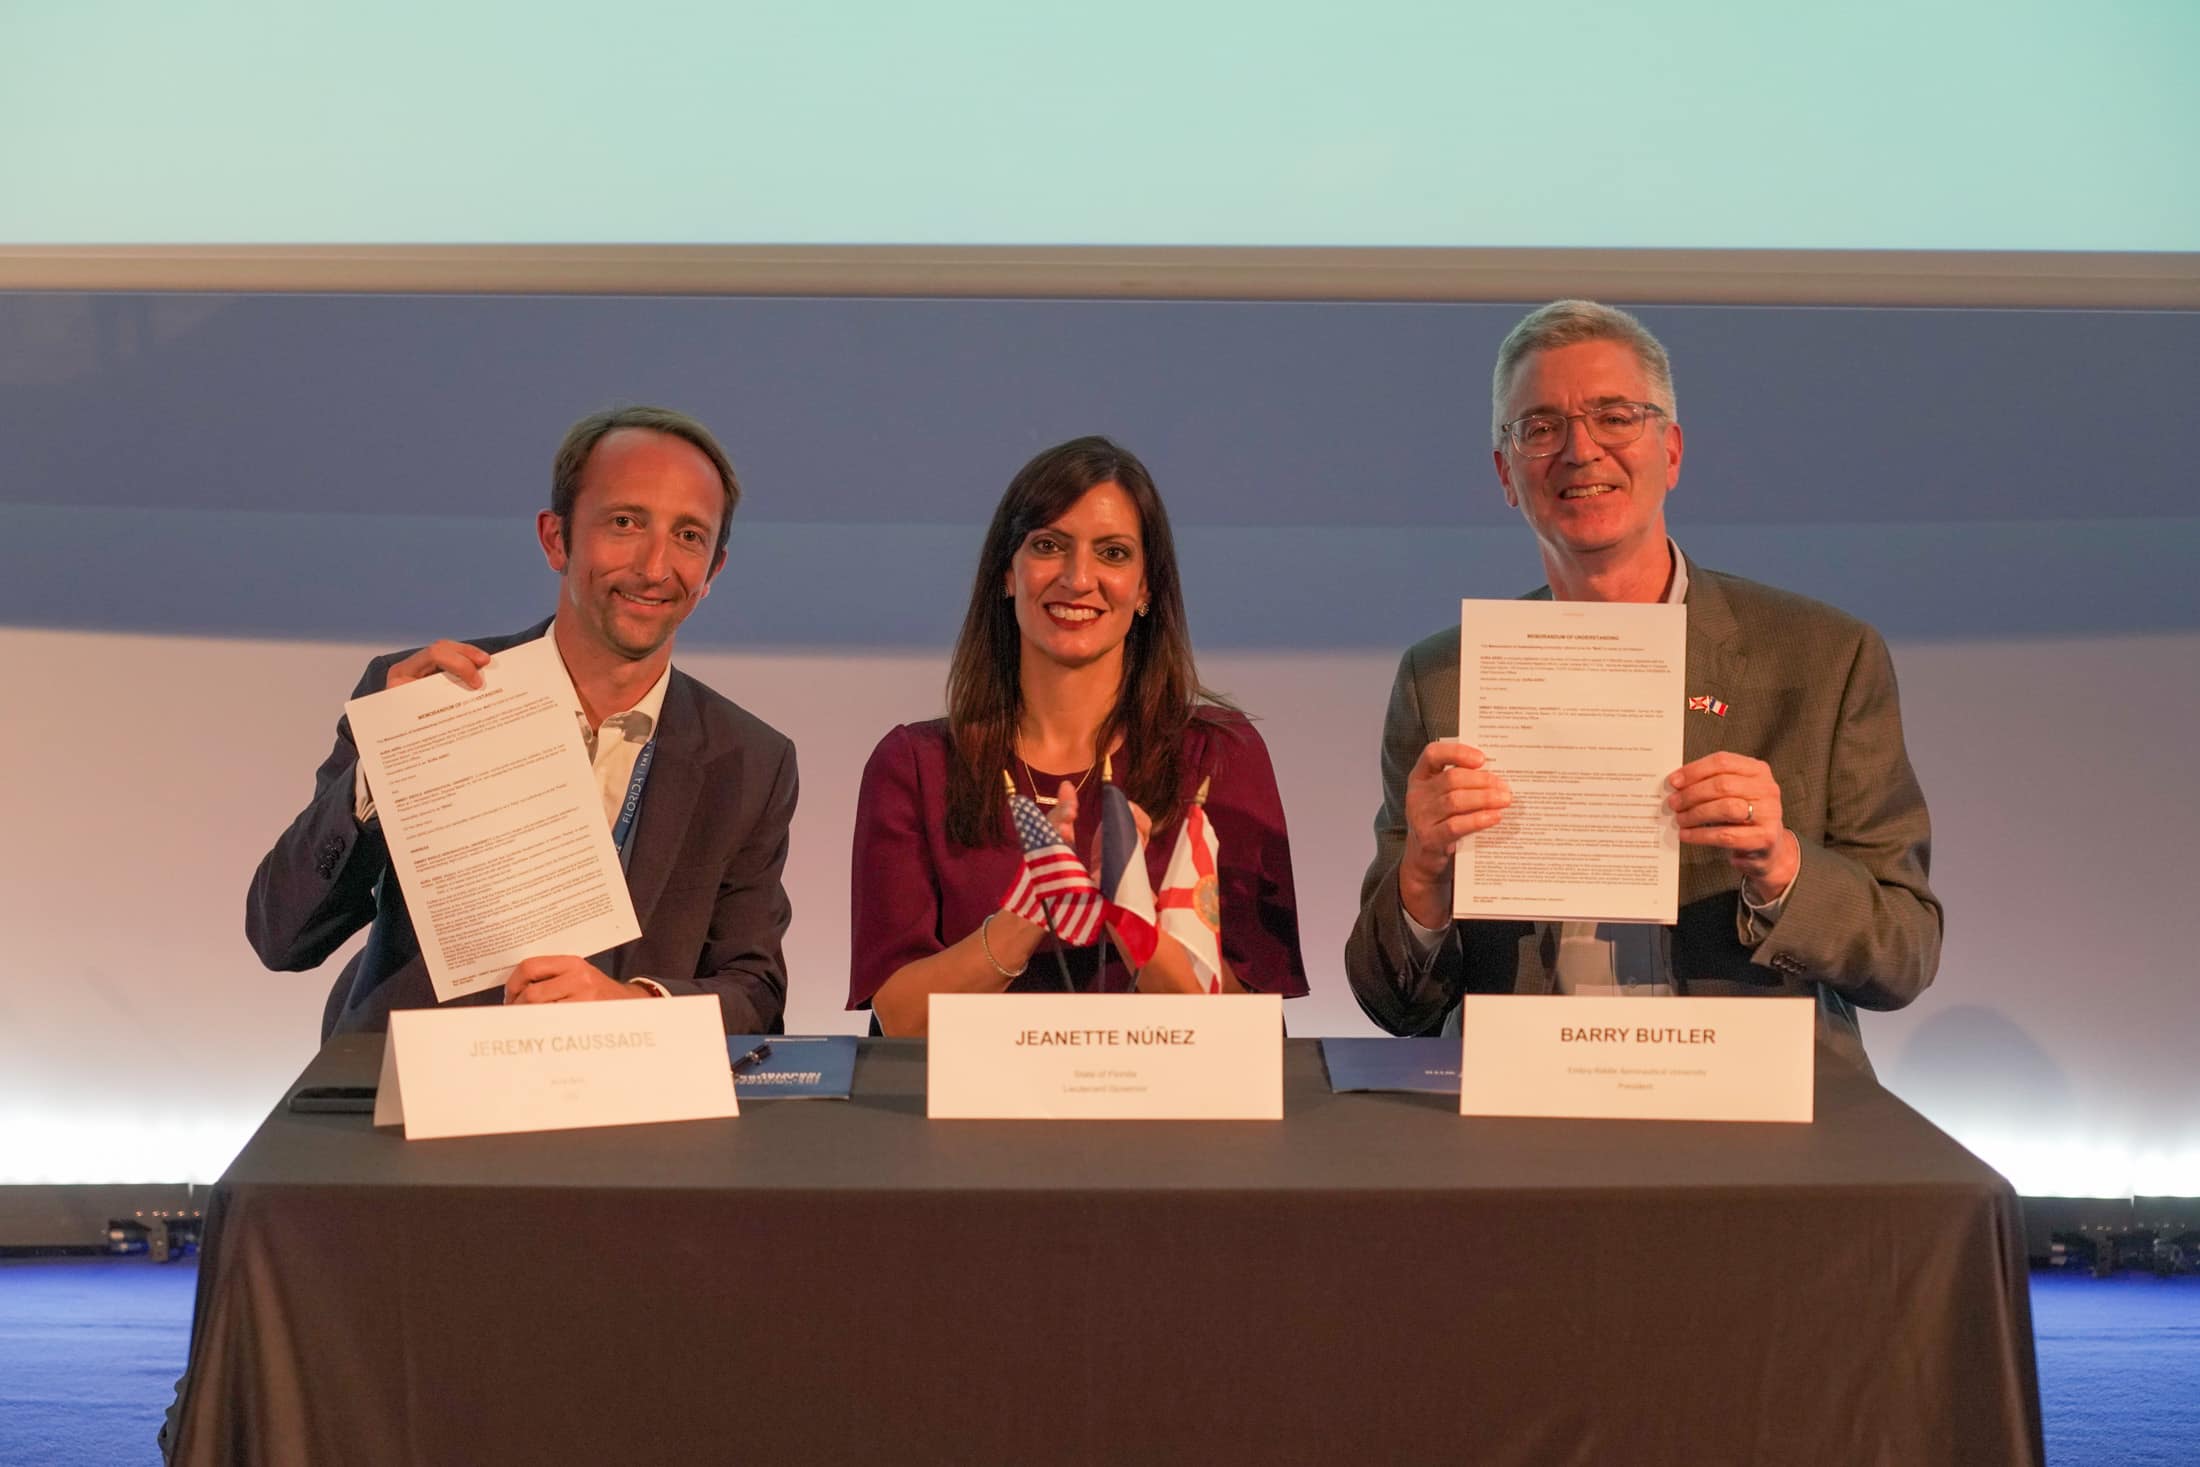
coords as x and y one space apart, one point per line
761 1052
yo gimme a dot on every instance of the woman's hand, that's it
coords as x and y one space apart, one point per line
1145 821
1062 814
1063 817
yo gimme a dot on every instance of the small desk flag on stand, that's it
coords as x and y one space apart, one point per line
1051 883
1190 902
1123 880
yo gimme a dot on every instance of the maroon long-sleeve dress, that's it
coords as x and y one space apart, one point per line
913 892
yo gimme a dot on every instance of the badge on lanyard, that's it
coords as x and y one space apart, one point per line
622 833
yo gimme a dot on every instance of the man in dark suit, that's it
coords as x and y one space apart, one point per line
641 501
1804 836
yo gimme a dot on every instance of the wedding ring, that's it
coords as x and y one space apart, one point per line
1751 817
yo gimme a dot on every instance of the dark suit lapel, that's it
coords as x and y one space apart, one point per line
668 804
1715 665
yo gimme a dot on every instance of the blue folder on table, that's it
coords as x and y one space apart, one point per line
1414 1066
796 1066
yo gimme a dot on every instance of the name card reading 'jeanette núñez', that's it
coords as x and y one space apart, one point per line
1650 1059
554 1067
1091 1056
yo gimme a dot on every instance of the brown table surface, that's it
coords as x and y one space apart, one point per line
1372 1279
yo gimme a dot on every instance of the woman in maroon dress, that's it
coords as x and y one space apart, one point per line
1074 650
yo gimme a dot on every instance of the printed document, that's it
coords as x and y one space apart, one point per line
493 818
1578 705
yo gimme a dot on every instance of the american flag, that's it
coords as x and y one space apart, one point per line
1051 874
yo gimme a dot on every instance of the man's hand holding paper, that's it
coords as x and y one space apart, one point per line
565 979
1450 795
494 821
1732 803
462 660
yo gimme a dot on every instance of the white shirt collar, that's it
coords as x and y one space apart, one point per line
636 723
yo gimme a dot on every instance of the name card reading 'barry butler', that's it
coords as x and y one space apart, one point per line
1650 1059
554 1067
1084 1056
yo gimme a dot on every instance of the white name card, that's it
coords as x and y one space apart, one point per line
554 1067
1101 1056
1648 1059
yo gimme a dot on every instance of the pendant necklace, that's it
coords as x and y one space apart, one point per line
1048 802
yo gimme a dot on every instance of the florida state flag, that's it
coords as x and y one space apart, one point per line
1190 902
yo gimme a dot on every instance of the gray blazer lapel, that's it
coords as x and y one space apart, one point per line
1715 665
1438 690
1716 662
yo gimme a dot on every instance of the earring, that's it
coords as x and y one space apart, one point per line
1142 606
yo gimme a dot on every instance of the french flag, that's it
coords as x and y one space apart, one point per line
1123 883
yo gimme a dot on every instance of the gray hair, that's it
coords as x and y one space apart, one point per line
1566 323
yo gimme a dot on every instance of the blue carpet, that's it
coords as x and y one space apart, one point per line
2119 1369
90 1349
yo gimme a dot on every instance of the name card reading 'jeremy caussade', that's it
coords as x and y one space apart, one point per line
1091 1056
1648 1059
554 1067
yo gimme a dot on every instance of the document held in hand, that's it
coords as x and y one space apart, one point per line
493 818
1578 705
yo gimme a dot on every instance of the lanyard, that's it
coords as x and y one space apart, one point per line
622 832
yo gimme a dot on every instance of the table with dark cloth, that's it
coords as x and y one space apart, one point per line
1371 1279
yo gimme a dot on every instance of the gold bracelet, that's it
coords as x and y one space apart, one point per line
988 947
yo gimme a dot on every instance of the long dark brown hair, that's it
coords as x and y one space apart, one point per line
985 684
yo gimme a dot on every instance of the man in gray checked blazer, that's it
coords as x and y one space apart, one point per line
1804 837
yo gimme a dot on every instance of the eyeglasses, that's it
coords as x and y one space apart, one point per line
1612 424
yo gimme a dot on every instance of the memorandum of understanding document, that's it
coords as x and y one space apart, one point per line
493 818
1578 705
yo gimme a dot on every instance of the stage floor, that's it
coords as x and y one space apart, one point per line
90 1349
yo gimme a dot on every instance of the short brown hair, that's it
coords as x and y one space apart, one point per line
581 440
